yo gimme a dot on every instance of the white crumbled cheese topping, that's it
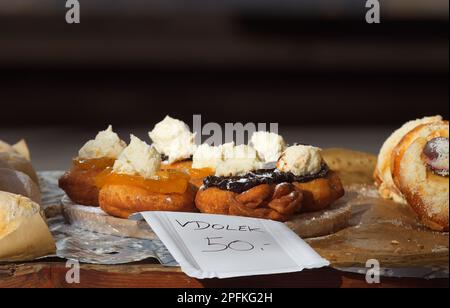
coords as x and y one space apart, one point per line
106 144
238 160
174 139
227 159
207 156
301 160
230 151
138 158
269 146
236 167
227 150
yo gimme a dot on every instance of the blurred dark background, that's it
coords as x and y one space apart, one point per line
299 63
296 62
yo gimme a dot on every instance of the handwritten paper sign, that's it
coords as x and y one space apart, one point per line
216 246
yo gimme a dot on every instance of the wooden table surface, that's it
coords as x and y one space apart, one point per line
51 274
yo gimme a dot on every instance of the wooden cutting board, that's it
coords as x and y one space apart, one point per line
385 231
380 229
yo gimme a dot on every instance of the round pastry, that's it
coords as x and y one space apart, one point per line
79 182
320 193
267 201
309 173
320 186
383 172
420 170
136 183
94 157
123 200
301 182
240 187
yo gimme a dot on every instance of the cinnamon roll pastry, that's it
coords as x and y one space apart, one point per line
383 172
420 171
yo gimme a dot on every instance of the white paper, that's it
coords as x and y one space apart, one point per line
217 246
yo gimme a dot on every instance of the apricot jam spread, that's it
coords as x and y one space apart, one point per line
200 173
165 182
93 164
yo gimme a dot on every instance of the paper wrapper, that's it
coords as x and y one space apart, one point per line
23 237
30 240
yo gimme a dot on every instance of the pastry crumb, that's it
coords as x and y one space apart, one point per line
398 250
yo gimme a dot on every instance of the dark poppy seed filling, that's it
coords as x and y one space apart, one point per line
240 184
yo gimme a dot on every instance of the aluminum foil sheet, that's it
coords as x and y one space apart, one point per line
90 247
95 248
